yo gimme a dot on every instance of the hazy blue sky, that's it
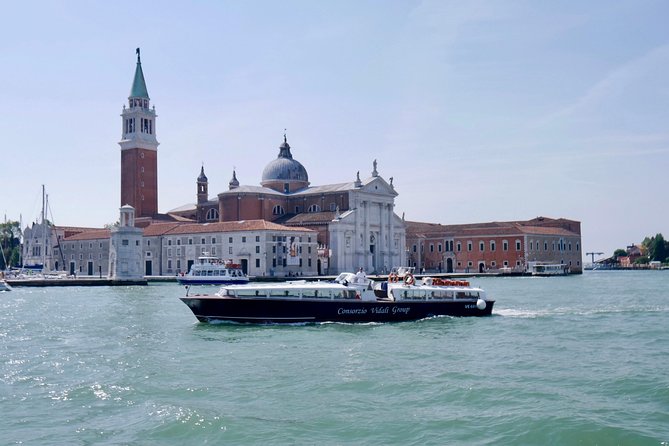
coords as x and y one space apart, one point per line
481 111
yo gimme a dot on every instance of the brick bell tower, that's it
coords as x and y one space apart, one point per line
139 150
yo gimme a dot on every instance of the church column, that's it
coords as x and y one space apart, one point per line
391 235
382 240
367 236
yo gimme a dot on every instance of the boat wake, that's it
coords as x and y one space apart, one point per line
527 314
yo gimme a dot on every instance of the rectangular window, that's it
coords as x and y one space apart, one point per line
517 245
257 263
481 246
230 250
190 241
431 247
213 240
229 239
202 241
469 246
257 249
124 242
505 245
459 246
439 247
257 238
492 246
243 239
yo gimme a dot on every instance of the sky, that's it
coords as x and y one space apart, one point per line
479 110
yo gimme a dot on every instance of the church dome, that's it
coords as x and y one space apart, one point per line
284 168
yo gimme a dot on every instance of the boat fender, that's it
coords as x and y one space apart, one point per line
409 279
357 295
480 304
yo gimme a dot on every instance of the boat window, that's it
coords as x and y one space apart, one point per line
418 295
247 293
461 295
210 273
278 293
339 294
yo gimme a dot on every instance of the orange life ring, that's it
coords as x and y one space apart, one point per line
392 277
409 279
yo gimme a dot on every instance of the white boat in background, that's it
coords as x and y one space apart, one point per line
548 269
210 270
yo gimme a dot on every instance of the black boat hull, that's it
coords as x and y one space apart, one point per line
267 311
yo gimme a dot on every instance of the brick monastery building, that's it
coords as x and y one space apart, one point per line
495 246
285 226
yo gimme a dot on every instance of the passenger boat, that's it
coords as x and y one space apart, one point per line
548 269
349 298
211 270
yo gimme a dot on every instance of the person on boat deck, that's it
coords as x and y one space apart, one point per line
360 275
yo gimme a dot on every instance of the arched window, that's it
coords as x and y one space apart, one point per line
314 208
212 214
278 210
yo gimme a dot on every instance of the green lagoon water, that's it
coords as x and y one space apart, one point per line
563 361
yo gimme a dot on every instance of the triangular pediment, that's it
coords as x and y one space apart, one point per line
378 186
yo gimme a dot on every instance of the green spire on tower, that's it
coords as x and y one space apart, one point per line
138 89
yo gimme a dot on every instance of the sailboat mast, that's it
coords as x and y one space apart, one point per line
44 228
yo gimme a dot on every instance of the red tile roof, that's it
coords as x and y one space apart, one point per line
91 234
157 229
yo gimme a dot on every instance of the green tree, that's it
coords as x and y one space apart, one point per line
619 253
656 247
10 243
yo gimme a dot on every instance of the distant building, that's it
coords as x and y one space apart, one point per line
355 221
261 247
489 247
125 252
